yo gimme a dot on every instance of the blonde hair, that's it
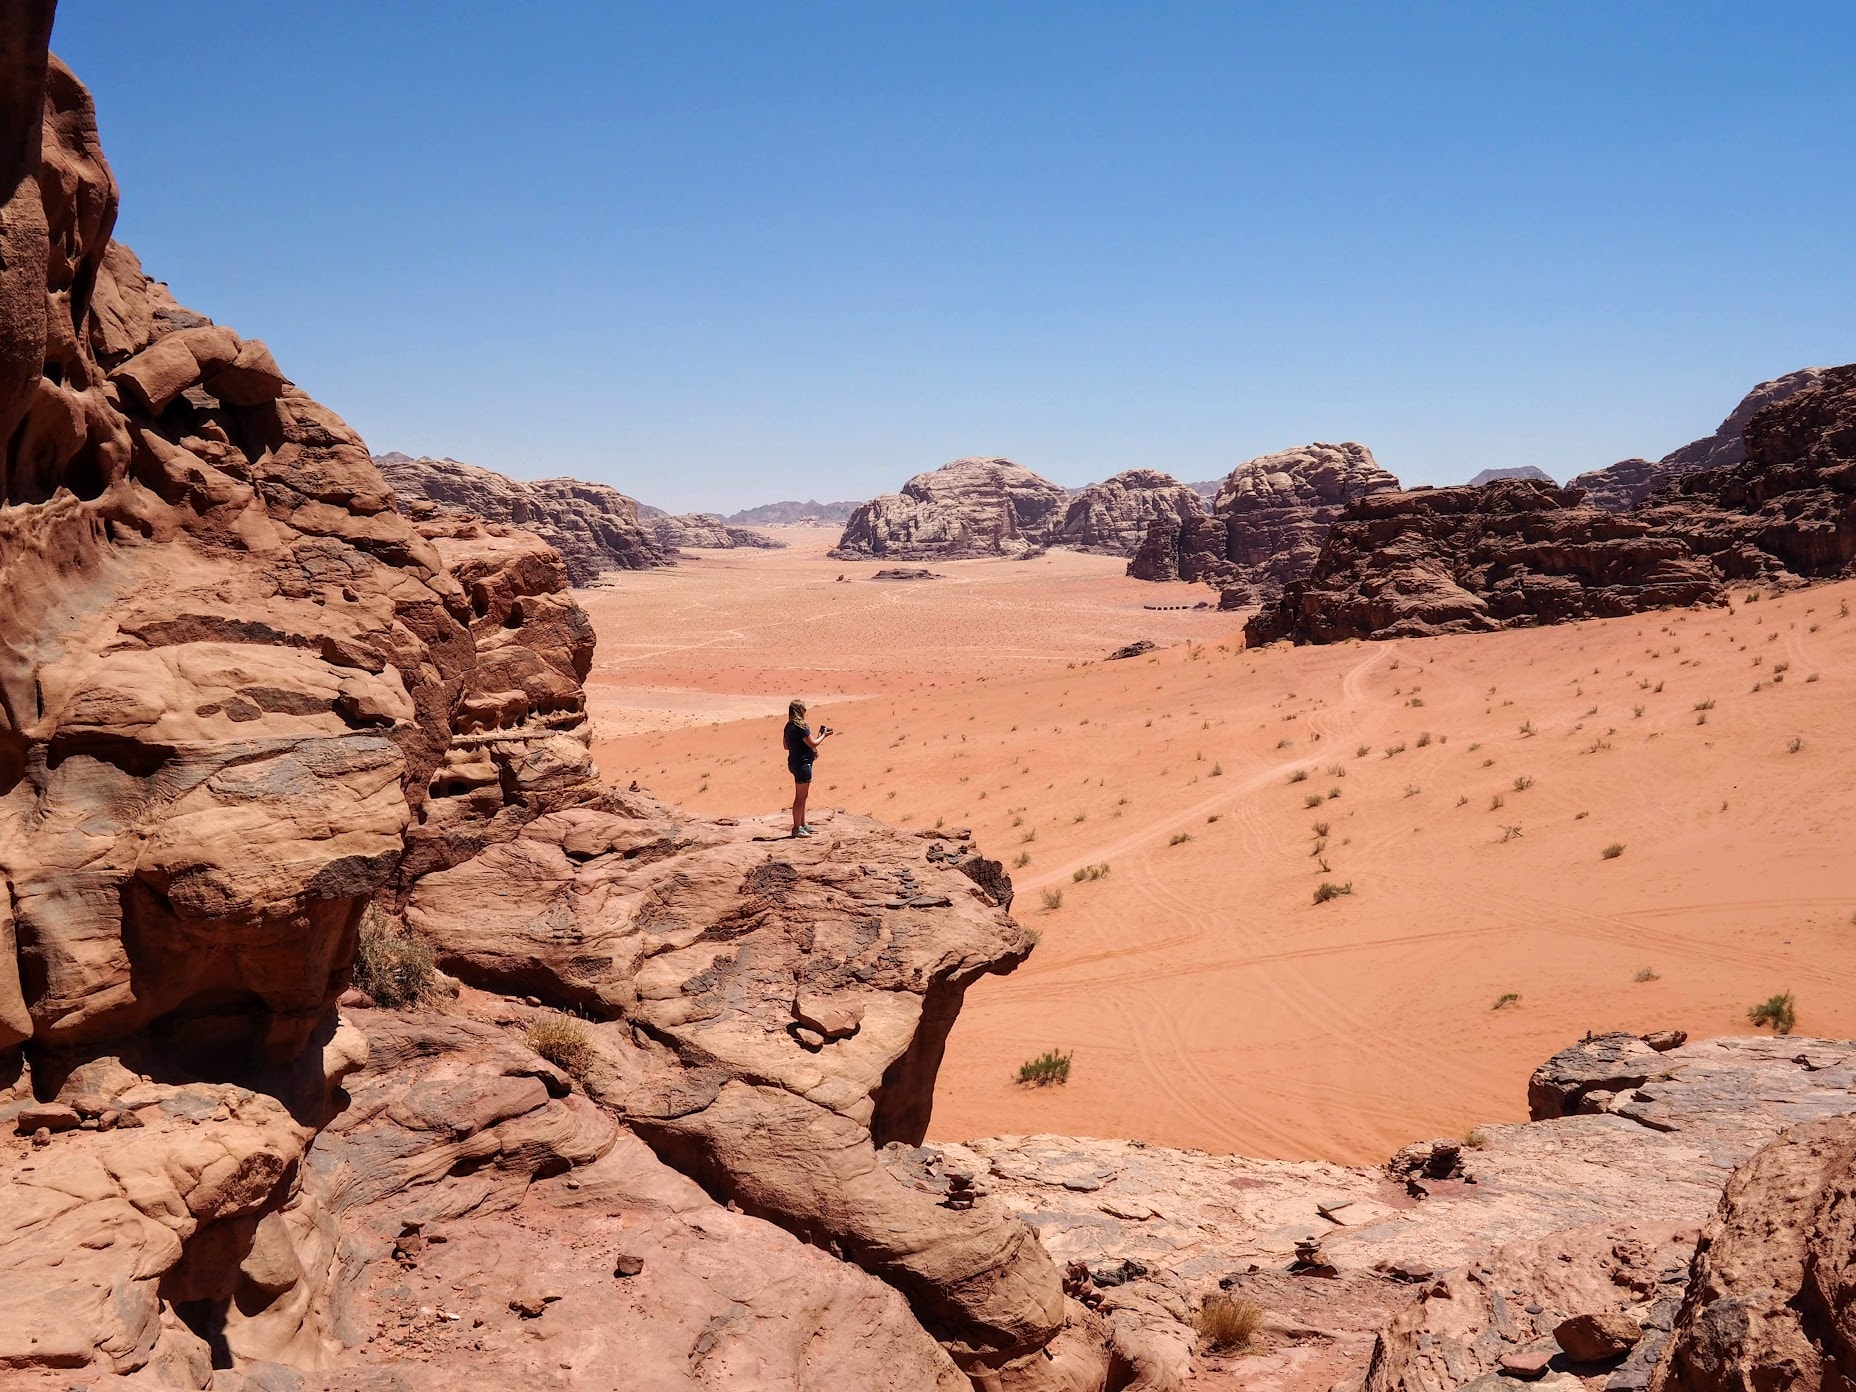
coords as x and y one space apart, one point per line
796 711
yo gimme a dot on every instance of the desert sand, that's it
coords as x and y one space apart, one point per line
1466 789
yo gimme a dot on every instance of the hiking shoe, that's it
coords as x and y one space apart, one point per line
802 831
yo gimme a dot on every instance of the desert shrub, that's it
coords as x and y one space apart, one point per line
1097 871
1506 999
1217 770
1053 898
1793 745
1333 793
1497 802
1047 1068
1644 974
1424 739
394 965
1021 860
1705 705
1527 727
1312 799
1476 1138
1362 751
1392 749
1523 783
563 1040
1320 829
1229 1322
1329 890
1179 838
1299 776
1780 1011
1613 851
1028 837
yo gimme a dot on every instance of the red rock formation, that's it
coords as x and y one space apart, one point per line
1114 516
971 507
1268 522
1457 560
596 528
1627 483
706 530
1471 560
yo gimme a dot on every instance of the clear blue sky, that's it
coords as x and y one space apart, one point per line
718 254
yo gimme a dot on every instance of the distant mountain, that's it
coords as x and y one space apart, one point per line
1524 471
768 514
1208 489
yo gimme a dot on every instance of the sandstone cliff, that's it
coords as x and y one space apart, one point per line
1113 516
1623 485
971 507
595 528
1455 560
1267 522
1522 471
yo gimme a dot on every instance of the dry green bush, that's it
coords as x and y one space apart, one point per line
1780 1011
1053 898
1613 851
1329 890
1047 1068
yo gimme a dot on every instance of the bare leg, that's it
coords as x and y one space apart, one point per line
799 804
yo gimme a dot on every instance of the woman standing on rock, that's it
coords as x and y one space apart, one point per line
801 749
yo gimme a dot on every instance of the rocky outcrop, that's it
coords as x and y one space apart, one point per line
1472 560
706 530
969 508
1113 516
1459 560
596 528
1772 1300
1627 483
1523 471
248 703
791 511
1267 525
1434 1271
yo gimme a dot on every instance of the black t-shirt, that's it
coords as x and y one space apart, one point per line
794 738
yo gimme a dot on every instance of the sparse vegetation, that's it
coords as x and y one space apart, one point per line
1021 860
1047 1068
1613 851
1497 802
1179 838
394 965
1329 890
1476 1138
1392 749
1097 871
1361 751
1705 705
1780 1011
1793 745
1424 739
1523 783
1506 999
1320 829
1299 776
563 1040
1053 898
1228 1322
1645 974
1312 800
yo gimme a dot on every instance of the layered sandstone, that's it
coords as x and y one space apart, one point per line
1113 516
1267 523
968 508
595 527
1522 471
1623 485
1459 560
1476 559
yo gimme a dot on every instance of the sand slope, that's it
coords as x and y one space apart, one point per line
1209 1001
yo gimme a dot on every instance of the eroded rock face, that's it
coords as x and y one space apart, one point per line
1523 471
596 528
971 507
1772 1302
1472 560
1267 525
1627 483
1463 560
1114 516
705 529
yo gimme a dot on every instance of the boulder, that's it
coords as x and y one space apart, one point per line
968 508
1601 1337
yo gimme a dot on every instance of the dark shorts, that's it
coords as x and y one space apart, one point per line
801 769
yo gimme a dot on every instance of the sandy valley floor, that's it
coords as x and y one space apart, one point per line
1467 790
